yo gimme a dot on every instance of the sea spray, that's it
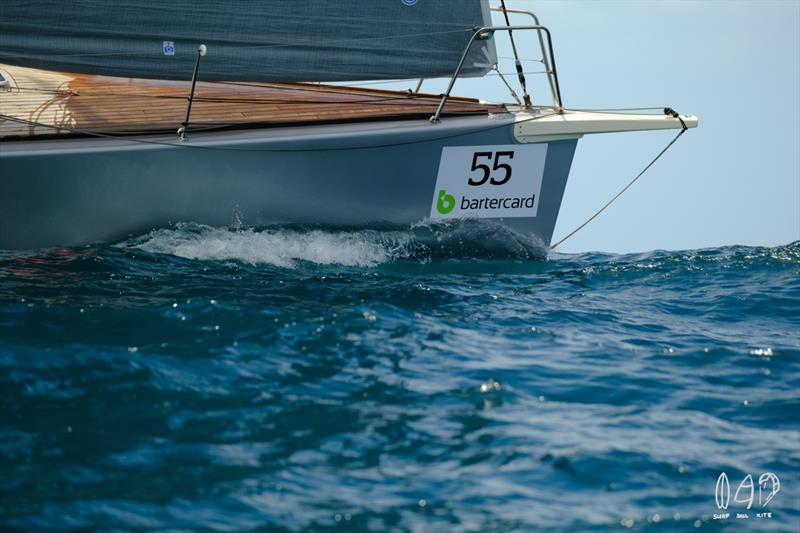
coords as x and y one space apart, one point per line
286 246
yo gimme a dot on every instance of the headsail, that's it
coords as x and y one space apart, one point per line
248 40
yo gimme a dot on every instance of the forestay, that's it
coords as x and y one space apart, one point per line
248 40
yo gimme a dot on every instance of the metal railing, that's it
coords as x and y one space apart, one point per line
552 78
485 33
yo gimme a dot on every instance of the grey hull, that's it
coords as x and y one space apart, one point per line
76 191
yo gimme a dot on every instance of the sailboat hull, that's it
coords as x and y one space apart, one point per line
75 191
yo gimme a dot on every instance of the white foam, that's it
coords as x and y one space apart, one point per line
288 247
280 247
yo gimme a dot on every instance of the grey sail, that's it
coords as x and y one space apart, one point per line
248 40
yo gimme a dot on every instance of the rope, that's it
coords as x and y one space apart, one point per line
398 81
667 111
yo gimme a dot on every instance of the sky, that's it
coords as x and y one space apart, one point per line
734 64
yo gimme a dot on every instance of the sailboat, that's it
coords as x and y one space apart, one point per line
117 118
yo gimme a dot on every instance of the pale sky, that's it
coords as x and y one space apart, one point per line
734 64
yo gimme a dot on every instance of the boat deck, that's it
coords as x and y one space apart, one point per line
43 101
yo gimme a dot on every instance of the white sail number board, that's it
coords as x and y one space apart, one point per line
496 181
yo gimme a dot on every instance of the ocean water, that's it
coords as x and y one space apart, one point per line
396 379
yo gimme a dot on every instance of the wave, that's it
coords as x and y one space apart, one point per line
724 257
289 246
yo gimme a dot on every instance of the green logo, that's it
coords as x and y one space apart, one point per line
445 202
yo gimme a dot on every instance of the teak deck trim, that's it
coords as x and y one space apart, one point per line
110 105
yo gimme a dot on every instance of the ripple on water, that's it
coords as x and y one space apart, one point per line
429 378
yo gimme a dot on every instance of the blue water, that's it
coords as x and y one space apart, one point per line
421 379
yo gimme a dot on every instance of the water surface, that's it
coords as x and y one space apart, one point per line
421 379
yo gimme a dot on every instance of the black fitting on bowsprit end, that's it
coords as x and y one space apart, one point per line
674 114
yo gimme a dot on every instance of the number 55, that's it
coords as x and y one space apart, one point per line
497 165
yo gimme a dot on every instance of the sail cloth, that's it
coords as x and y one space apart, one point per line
247 40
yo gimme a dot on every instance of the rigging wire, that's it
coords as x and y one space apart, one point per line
389 82
667 111
522 59
513 94
381 82
520 75
519 70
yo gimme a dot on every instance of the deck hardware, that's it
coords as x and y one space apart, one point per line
557 105
551 78
525 96
670 113
184 129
